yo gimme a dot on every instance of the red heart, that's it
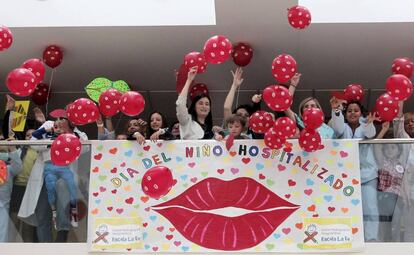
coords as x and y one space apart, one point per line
98 156
299 225
146 148
355 181
281 167
233 153
343 154
291 182
344 175
95 194
95 169
160 229
172 229
220 171
110 208
169 237
123 164
145 224
312 208
129 200
246 160
331 209
113 150
261 177
192 164
102 189
193 180
354 230
114 170
308 191
144 199
287 196
114 191
286 230
287 149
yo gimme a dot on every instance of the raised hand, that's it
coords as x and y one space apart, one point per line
237 77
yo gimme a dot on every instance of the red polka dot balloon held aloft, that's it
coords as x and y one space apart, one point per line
273 140
195 59
6 38
403 66
399 87
109 102
277 98
198 89
386 107
82 111
354 93
242 54
21 82
157 182
284 67
260 122
299 17
53 56
65 149
309 140
313 118
132 103
217 49
285 127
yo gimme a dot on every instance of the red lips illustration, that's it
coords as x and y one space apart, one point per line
189 213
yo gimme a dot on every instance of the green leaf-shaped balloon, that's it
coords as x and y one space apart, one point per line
99 85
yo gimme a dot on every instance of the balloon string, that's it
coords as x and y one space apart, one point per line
48 92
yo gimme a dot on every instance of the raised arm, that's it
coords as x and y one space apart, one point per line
237 81
181 103
398 123
337 122
292 88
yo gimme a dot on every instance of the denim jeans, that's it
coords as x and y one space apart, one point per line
53 173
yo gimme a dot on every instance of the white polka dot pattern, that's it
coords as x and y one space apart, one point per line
82 111
284 67
299 17
217 49
260 122
277 98
65 149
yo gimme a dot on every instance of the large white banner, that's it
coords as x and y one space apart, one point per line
249 198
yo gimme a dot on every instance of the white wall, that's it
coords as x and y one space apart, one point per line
75 13
356 11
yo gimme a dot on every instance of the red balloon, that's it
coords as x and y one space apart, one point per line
6 38
299 17
82 111
387 107
354 92
285 127
242 54
284 67
21 82
217 49
65 149
41 94
277 98
260 122
403 66
273 140
52 56
4 174
313 118
132 103
157 182
198 89
109 102
181 78
309 140
399 87
36 66
195 59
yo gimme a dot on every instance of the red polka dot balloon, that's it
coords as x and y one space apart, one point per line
65 149
299 17
36 66
387 107
309 140
53 56
157 182
354 92
399 87
195 59
181 78
273 140
41 94
277 98
132 103
82 111
284 67
198 89
6 38
21 82
109 102
285 127
313 118
260 122
403 66
242 54
217 49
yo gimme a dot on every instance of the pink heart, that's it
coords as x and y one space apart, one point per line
102 189
119 210
193 180
343 154
155 248
234 170
177 243
308 191
160 229
192 164
286 231
281 167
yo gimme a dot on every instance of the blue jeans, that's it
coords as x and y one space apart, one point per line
51 174
44 212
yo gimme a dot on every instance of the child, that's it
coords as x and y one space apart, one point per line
11 157
354 125
390 159
53 172
235 126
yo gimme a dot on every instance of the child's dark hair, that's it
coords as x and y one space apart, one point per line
236 118
163 125
361 107
247 107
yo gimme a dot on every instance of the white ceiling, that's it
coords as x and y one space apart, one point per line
329 56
